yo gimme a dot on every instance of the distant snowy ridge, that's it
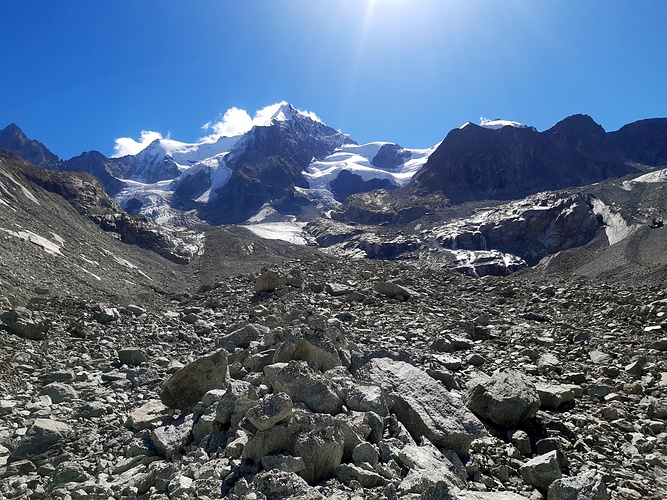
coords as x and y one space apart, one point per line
497 124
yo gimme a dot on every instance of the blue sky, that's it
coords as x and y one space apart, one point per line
77 75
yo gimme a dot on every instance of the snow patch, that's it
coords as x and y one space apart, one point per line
291 232
649 178
498 123
616 227
47 245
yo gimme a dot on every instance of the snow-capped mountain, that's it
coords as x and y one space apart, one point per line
289 165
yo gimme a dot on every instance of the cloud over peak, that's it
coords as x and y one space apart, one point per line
128 146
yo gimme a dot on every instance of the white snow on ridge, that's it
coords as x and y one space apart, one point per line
291 232
616 227
649 178
496 124
357 160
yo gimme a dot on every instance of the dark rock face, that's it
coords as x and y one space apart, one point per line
348 183
390 156
107 170
267 165
13 139
475 163
644 141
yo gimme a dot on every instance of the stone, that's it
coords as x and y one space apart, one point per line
239 397
346 473
586 486
284 463
426 467
506 398
424 406
394 290
26 323
147 416
338 289
132 356
660 344
171 439
319 348
552 396
365 452
40 437
541 471
317 438
281 485
308 387
270 411
521 441
104 315
269 281
242 337
187 386
59 392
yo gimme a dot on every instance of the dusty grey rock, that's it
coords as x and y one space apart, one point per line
26 323
506 398
394 290
188 385
365 452
424 406
552 396
269 281
346 473
541 471
522 442
660 344
270 411
147 416
239 397
41 436
104 314
281 485
171 439
132 356
319 348
338 289
585 486
306 386
317 438
284 463
59 392
241 337
427 466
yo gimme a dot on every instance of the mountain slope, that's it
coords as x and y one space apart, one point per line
477 163
13 139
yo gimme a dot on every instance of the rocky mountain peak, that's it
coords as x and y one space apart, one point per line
12 138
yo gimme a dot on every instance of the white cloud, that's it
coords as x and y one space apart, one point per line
128 146
237 121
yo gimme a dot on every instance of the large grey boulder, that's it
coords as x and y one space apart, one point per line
541 471
59 392
424 406
586 486
426 467
308 387
171 439
319 348
317 438
506 398
233 405
268 281
44 434
270 411
279 485
26 323
187 386
394 290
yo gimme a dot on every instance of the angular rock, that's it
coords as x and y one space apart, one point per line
239 397
284 463
41 436
132 356
394 290
319 348
171 439
424 406
317 438
426 467
188 385
346 473
507 399
26 323
270 411
147 416
586 486
306 386
268 281
240 338
59 392
552 396
541 471
280 485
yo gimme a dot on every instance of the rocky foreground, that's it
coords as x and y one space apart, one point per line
321 380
